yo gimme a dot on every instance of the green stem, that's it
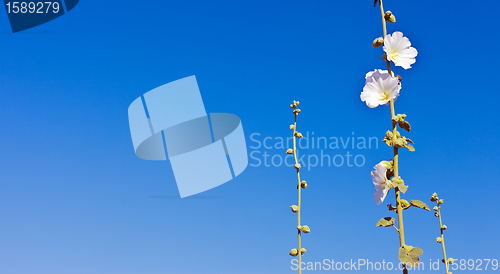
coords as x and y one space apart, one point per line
442 237
401 230
299 188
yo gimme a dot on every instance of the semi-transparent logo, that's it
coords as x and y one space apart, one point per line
205 151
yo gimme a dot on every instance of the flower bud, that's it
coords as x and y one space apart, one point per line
451 260
297 166
299 227
292 127
299 135
289 151
296 103
439 240
395 118
389 134
388 165
378 42
294 252
399 143
303 184
404 204
436 214
305 229
303 250
444 227
435 208
384 57
292 106
294 208
441 201
389 17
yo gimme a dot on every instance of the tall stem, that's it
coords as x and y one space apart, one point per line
401 230
299 188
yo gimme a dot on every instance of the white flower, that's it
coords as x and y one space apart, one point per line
380 88
381 183
399 50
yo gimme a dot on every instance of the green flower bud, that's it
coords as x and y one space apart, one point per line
439 240
404 204
294 208
305 229
441 201
299 227
292 106
389 17
378 42
435 208
303 250
294 252
289 151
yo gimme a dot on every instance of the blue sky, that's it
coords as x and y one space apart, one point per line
75 199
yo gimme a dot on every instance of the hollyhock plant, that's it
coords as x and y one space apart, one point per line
399 51
382 88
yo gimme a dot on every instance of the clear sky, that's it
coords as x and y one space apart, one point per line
74 198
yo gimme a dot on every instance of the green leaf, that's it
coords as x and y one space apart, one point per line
420 204
405 125
410 148
410 255
385 222
402 187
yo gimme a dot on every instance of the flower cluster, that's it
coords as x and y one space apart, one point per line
381 86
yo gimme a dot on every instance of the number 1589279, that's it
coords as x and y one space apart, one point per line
32 7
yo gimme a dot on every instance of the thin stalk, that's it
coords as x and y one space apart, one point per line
299 188
442 237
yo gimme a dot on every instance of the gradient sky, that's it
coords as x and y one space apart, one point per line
74 198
